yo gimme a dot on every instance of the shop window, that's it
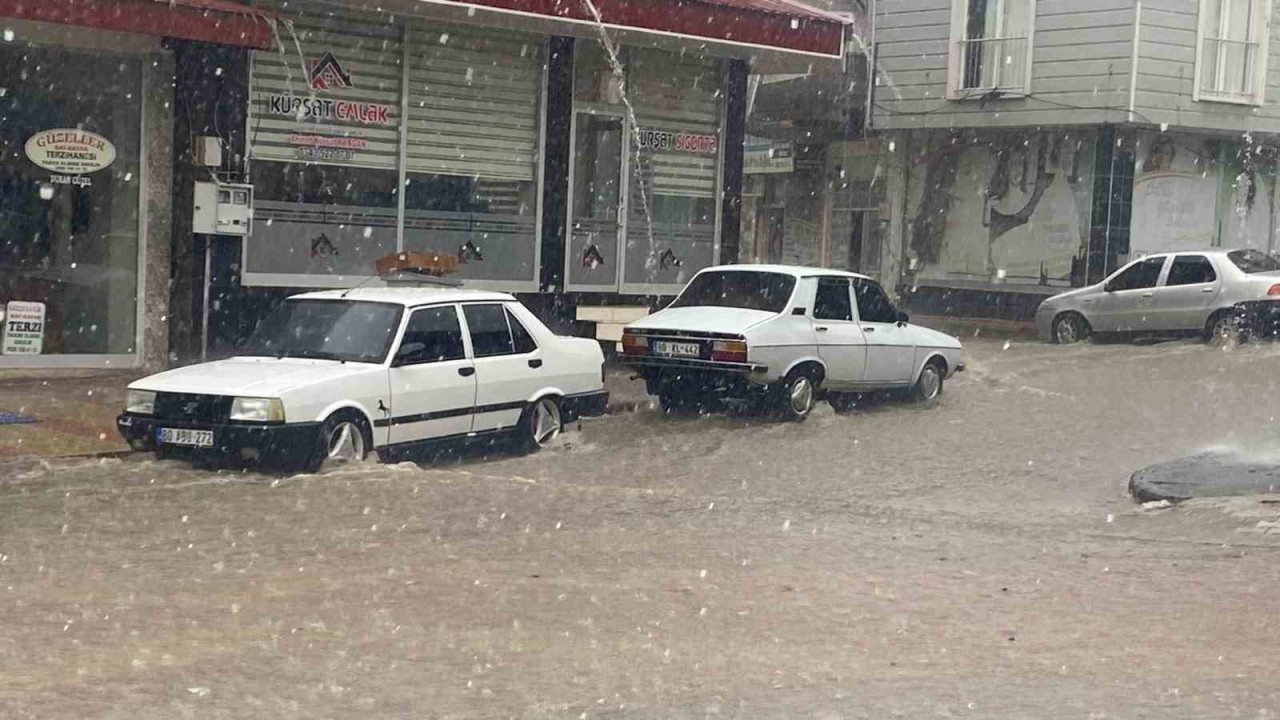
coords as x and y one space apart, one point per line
69 237
314 219
991 47
1231 52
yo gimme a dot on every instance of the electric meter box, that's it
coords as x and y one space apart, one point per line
223 209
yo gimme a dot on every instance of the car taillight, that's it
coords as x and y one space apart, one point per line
729 351
634 344
1274 290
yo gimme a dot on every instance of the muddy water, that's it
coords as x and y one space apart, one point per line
978 558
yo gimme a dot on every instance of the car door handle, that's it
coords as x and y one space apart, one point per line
466 371
535 363
1147 295
1208 290
868 329
820 328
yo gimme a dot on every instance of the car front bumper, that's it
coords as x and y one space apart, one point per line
285 443
1044 324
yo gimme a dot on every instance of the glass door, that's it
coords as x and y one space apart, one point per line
597 201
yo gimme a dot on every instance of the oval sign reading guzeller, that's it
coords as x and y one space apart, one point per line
70 152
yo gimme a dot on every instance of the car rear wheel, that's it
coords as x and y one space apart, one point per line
796 396
1069 328
1222 328
540 424
344 439
929 385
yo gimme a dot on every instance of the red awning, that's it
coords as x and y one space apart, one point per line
777 24
214 21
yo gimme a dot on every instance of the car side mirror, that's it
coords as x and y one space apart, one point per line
407 351
903 318
1108 288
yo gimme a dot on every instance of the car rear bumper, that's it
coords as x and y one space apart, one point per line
648 362
289 443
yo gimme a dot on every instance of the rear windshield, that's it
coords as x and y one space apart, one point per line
1252 261
744 289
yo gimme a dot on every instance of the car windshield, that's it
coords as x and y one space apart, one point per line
746 289
1252 261
344 330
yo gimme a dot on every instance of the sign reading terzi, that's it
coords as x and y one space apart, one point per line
70 152
23 328
666 141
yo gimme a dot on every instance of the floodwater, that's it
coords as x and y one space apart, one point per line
977 558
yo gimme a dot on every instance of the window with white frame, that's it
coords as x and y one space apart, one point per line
991 43
1231 52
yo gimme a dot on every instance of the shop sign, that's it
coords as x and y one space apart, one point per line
327 73
323 109
323 147
768 157
23 328
665 141
70 152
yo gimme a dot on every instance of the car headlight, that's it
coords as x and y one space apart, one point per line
140 402
247 409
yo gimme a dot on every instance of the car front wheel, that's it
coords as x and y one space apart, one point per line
343 440
1069 328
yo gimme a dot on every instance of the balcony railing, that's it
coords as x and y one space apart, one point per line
1228 69
994 64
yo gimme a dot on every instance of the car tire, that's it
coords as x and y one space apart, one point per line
1223 328
843 403
541 423
929 385
344 439
796 395
1069 328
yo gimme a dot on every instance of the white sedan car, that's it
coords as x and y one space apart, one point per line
783 335
330 376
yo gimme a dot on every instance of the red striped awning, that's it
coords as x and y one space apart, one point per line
213 21
775 24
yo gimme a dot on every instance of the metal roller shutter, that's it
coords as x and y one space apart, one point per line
474 101
339 103
677 95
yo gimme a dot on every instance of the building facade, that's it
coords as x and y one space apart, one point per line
1039 145
571 155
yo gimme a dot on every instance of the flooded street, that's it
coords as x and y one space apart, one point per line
978 558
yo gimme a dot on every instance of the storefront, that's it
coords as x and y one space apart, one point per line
558 150
455 116
86 128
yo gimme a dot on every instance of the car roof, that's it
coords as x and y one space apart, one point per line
407 296
1215 251
794 270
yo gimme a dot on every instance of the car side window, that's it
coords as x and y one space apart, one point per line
433 335
874 304
1191 270
832 300
520 336
490 333
1138 277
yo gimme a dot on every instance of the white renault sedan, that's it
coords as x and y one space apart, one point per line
330 376
783 335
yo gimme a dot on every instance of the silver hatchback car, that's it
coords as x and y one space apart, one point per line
1186 291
